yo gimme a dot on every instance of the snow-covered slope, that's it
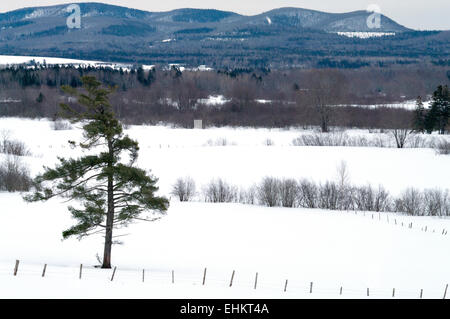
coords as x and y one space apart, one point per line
330 249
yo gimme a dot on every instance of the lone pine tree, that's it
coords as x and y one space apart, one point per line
112 193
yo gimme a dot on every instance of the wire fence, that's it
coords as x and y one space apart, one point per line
287 288
403 221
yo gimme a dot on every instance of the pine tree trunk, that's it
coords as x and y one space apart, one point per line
109 217
109 227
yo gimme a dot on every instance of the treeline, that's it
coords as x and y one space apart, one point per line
293 97
331 195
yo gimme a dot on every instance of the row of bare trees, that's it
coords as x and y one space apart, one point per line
331 195
393 138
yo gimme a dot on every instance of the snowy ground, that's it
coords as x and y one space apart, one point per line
408 105
217 100
330 249
16 59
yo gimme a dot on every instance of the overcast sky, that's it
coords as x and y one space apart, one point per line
416 14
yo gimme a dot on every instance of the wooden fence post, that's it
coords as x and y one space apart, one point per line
285 285
143 275
16 267
232 277
43 272
114 272
173 276
445 292
81 270
256 280
421 293
393 293
204 277
311 287
368 293
340 291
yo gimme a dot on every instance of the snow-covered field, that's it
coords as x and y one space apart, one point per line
330 249
16 59
6 60
172 153
408 105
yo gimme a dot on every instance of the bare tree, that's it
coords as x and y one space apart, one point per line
219 191
345 201
288 192
14 176
269 192
401 136
11 146
308 194
343 174
411 202
329 196
248 196
326 88
443 147
436 202
184 189
382 200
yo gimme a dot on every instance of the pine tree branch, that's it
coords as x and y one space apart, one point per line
74 186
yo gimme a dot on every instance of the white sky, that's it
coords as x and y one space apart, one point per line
416 14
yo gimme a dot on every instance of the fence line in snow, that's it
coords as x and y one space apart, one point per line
369 292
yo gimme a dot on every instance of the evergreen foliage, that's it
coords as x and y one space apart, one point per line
419 116
112 193
143 79
438 116
40 98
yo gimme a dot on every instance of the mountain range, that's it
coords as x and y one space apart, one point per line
282 37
